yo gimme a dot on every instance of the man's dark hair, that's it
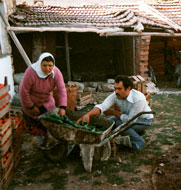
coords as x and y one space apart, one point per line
126 81
49 58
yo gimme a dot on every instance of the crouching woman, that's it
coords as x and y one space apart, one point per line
36 93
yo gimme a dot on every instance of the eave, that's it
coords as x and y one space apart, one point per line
100 31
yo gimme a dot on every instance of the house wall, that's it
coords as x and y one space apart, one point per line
26 41
95 58
43 42
92 58
6 68
162 49
37 44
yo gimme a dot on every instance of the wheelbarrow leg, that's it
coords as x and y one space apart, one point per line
87 153
103 153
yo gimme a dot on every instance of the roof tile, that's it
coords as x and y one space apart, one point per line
171 9
126 16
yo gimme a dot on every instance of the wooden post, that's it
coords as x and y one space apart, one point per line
5 81
134 56
137 53
16 41
67 56
124 61
165 50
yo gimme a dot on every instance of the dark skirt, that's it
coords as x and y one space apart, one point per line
34 126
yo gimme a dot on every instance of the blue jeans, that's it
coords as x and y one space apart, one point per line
136 140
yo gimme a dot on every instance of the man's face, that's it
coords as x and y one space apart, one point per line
120 91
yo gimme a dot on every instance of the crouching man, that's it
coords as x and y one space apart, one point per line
130 103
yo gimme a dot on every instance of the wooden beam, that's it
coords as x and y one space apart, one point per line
64 29
142 34
100 31
16 41
67 56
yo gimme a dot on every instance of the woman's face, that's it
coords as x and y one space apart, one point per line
47 66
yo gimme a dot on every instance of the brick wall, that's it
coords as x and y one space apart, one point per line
144 54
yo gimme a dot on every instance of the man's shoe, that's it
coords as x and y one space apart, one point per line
123 140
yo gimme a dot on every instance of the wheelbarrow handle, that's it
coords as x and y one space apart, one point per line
137 115
133 118
124 128
121 128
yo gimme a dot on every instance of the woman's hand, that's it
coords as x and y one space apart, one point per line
86 117
61 112
35 111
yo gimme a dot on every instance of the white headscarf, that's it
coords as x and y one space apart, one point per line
37 65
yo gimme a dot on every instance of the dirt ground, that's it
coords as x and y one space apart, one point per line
167 170
156 167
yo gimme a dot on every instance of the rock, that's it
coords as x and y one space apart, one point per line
162 164
80 86
89 89
150 84
110 81
151 88
16 89
99 87
18 77
40 186
107 87
93 84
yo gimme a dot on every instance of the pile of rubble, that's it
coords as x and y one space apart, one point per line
108 86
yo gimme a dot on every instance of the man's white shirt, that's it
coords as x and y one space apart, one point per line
132 105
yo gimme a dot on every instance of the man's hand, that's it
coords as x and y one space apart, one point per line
35 111
112 112
61 112
86 117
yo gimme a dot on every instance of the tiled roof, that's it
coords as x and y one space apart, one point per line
171 9
132 16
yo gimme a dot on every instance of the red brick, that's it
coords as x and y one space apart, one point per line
146 37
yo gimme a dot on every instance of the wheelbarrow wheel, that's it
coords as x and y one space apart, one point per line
55 153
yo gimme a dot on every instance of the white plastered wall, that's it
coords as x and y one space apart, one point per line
6 68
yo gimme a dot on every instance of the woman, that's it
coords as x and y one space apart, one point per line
36 92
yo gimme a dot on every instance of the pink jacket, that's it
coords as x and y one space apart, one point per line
39 91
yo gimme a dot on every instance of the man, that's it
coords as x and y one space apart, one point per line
130 102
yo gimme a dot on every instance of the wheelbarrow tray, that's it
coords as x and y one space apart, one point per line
75 135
